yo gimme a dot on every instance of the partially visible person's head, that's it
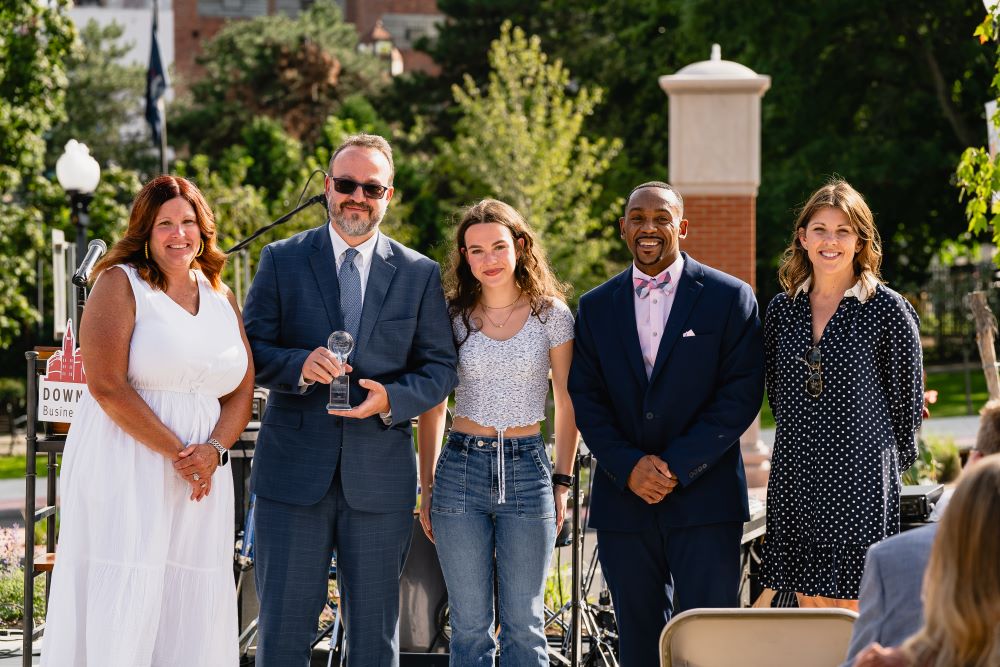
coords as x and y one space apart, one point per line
653 225
493 243
962 581
168 201
359 185
835 205
988 435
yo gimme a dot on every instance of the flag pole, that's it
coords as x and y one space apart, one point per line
161 103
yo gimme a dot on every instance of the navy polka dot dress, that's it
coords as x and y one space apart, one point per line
834 484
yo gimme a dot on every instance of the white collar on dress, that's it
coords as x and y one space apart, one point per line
862 290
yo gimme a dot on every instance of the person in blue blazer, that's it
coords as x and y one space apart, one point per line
341 480
667 374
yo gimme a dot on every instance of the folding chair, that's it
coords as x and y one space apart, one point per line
757 638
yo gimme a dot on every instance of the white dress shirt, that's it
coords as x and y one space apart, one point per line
652 312
363 260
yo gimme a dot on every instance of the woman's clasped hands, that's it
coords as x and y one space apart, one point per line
196 463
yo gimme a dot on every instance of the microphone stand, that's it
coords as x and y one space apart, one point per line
576 562
283 219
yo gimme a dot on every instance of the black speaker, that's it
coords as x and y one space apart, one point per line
422 598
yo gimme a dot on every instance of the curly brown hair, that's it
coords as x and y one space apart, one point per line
131 248
532 273
837 193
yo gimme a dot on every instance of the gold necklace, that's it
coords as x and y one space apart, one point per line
516 299
499 325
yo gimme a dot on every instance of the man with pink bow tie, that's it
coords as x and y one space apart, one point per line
667 373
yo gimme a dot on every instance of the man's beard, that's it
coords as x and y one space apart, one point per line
356 223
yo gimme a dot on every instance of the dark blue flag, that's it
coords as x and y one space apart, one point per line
156 85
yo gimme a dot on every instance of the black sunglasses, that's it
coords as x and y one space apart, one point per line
346 186
814 359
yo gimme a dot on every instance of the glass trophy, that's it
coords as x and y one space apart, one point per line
340 343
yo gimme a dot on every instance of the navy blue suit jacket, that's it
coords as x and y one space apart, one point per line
404 342
704 392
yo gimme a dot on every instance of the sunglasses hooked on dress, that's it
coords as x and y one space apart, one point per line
814 359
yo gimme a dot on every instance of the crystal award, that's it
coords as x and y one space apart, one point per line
340 343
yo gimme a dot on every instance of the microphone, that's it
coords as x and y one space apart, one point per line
95 250
317 199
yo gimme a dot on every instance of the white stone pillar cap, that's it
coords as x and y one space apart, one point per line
715 75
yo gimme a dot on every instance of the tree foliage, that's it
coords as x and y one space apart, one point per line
294 71
520 139
978 173
106 99
884 94
35 38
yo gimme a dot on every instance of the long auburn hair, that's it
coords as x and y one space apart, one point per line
532 273
837 193
131 248
962 581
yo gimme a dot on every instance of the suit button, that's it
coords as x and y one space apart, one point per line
340 421
693 474
649 415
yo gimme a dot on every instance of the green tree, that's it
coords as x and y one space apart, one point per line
106 99
35 38
978 173
295 71
884 94
520 139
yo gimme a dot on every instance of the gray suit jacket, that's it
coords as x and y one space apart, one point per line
891 587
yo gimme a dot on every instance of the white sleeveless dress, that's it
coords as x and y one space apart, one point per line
144 575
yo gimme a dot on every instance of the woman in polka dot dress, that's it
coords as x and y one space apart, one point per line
844 380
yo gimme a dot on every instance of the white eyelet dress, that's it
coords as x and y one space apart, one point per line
143 574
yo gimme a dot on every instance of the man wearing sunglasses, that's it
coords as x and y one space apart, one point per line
667 374
341 480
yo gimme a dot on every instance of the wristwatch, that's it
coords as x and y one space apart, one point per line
563 480
223 452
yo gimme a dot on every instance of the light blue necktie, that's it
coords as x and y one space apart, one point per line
350 293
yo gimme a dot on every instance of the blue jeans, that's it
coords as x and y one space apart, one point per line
470 526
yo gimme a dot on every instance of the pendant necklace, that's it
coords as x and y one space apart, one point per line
499 325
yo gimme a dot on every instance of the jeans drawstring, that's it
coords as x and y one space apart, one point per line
501 469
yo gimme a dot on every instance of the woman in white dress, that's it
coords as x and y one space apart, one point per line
143 573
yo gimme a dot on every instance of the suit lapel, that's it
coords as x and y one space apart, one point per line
688 289
379 277
324 267
624 305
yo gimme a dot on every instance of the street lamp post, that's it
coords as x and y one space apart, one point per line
78 174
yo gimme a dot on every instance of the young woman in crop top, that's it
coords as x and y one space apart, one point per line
494 489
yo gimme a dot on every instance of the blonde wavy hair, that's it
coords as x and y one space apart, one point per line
962 581
837 193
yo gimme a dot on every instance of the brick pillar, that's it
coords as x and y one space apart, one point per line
715 165
722 233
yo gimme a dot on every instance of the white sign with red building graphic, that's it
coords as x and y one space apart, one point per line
64 382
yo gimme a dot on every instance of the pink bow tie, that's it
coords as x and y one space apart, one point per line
643 287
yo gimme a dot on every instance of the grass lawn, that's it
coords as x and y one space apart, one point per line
951 393
12 467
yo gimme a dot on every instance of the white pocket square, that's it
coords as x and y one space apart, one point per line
688 334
